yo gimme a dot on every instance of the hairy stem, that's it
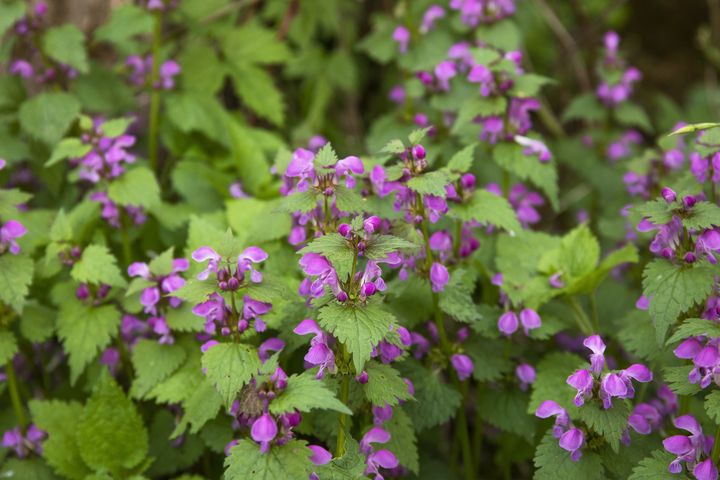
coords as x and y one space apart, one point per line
342 418
155 93
580 316
15 396
716 446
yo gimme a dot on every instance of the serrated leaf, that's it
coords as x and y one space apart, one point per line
125 22
554 463
153 363
456 299
47 116
9 201
584 107
302 202
431 183
384 385
136 187
162 264
677 379
552 371
245 462
257 90
394 146
66 44
16 274
416 136
380 246
657 211
84 331
462 160
116 127
489 362
673 289
488 208
169 457
8 346
655 467
351 466
243 213
59 420
712 405
436 401
360 328
229 366
111 435
702 216
692 327
305 393
97 266
200 407
195 291
507 410
68 148
609 423
326 157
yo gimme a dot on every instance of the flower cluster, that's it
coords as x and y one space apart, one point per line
570 437
23 443
140 70
592 381
704 354
691 449
617 78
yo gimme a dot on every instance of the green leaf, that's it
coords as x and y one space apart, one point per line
254 44
359 328
609 423
657 211
37 322
244 213
201 406
170 457
9 201
125 22
8 346
84 331
196 112
27 468
672 290
631 115
384 385
694 127
66 44
97 266
394 146
110 432
478 107
68 148
436 401
326 157
162 264
486 207
416 136
351 466
229 366
552 371
16 274
456 299
349 201
195 291
510 157
489 362
245 462
380 246
301 202
305 393
692 327
703 215
677 379
655 467
257 90
589 282
529 85
136 187
336 249
60 449
462 160
585 107
48 115
554 463
116 127
507 410
431 183
712 405
182 384
153 363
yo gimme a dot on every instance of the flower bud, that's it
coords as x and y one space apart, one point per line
668 194
242 325
342 297
689 201
369 289
225 331
344 229
418 152
233 284
362 379
371 224
690 257
82 292
467 181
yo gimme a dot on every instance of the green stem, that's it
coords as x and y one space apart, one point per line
716 446
478 438
595 317
582 320
15 396
461 425
155 93
342 419
506 184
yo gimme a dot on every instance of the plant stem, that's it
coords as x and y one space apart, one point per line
342 419
155 93
716 446
15 396
595 318
582 320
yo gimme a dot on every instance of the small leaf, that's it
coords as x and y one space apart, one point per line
384 385
137 187
229 366
68 148
97 266
47 116
246 462
66 44
305 393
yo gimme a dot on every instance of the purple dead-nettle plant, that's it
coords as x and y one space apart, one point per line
693 450
569 436
617 78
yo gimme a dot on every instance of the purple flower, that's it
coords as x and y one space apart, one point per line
263 431
270 345
10 231
597 358
525 373
23 445
320 354
315 265
463 365
402 36
439 277
508 323
572 441
432 14
689 449
583 382
534 147
168 71
530 320
570 438
376 459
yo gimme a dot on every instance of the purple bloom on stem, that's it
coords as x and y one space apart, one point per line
10 231
432 14
207 253
270 345
463 365
597 358
572 441
508 323
688 449
402 36
168 70
320 354
263 431
612 385
439 277
582 381
530 320
320 456
526 375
